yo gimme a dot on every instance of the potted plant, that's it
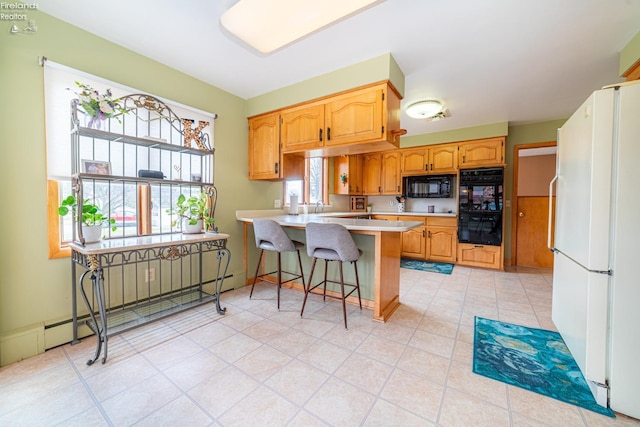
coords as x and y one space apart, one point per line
92 218
194 211
343 178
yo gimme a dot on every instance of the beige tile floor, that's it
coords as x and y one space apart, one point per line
256 366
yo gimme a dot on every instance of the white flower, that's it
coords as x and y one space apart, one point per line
105 107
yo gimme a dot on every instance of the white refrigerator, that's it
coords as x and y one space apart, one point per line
596 245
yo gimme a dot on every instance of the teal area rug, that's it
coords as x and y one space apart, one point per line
434 267
533 359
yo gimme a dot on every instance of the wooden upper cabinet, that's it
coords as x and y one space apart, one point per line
443 159
415 161
355 117
482 152
265 159
302 128
391 181
371 174
351 166
424 160
381 173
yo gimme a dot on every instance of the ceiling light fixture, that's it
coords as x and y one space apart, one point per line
426 110
270 25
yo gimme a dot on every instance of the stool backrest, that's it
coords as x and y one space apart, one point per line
334 237
267 230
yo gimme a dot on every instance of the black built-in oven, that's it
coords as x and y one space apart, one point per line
480 206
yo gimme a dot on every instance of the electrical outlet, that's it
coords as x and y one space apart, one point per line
149 275
390 202
277 203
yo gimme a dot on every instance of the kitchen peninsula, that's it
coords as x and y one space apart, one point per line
378 267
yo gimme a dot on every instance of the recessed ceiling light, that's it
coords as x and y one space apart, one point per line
270 25
424 109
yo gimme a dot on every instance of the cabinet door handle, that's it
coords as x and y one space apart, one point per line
328 134
426 166
398 188
276 167
320 135
464 158
429 234
431 166
422 233
379 189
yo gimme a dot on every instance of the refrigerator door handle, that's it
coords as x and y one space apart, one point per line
550 220
607 272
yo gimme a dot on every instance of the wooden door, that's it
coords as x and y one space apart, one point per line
441 244
371 170
355 174
413 243
531 243
354 117
443 159
486 152
302 128
415 161
265 160
391 182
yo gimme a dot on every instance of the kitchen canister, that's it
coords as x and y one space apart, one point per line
401 207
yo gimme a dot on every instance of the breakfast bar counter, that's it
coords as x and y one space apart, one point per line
379 240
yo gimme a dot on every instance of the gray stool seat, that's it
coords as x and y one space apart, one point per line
270 236
332 242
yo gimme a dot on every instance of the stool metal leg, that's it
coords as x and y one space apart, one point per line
326 264
279 284
255 278
344 304
301 272
307 289
355 267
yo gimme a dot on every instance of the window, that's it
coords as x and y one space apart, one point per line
137 208
313 187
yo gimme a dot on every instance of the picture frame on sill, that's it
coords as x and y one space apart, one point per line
96 167
196 177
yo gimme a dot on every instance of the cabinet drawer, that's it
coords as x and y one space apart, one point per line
480 255
437 221
386 217
411 218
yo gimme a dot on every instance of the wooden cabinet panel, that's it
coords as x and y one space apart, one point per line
302 128
391 182
264 147
371 174
424 160
415 161
480 255
354 117
293 166
413 243
385 217
352 167
381 173
482 152
443 159
441 244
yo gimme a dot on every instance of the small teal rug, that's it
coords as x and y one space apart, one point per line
533 359
434 267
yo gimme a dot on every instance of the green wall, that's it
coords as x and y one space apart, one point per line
377 69
35 290
630 54
520 135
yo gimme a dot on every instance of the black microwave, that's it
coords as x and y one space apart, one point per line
428 186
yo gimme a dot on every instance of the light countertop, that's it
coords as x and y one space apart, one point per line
354 224
142 242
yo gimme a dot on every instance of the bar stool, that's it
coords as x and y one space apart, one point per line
332 242
270 236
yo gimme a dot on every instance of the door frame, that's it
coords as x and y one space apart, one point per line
514 194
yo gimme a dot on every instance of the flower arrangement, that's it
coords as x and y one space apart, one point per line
98 106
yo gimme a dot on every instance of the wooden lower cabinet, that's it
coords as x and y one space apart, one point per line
413 241
480 256
442 236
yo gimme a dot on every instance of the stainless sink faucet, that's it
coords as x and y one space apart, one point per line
319 204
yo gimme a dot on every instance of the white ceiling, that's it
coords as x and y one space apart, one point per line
488 61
